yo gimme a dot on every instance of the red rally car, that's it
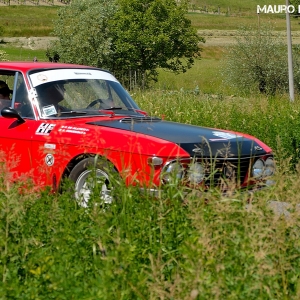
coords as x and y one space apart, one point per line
72 121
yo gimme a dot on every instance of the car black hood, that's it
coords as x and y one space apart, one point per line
197 141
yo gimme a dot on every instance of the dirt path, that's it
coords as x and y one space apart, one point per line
212 37
32 43
227 37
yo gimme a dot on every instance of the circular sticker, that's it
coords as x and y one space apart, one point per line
42 77
49 159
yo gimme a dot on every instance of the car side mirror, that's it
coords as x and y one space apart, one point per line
11 113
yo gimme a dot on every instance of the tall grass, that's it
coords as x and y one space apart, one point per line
173 246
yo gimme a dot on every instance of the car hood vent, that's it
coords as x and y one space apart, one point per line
140 119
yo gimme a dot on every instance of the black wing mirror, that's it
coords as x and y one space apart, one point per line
11 113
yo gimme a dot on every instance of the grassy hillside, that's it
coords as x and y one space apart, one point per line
234 5
23 20
26 20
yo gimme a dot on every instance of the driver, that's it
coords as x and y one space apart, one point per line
4 91
4 95
50 96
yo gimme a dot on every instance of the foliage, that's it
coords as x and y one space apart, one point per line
83 32
295 3
127 35
258 62
153 34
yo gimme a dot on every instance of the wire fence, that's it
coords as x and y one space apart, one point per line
35 2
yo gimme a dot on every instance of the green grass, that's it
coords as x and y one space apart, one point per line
142 247
223 23
26 21
205 74
24 54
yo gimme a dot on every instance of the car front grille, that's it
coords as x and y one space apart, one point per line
225 171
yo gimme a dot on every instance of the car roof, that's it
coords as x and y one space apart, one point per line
25 66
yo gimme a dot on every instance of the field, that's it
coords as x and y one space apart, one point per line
176 245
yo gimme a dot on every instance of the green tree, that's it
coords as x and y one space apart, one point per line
295 3
257 62
83 33
153 34
127 36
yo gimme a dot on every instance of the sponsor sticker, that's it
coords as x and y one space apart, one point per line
45 129
49 160
49 146
42 77
72 129
49 110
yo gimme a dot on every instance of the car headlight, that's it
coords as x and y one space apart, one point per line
269 167
196 173
173 172
258 168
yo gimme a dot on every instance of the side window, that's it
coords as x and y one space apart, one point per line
21 100
6 83
13 93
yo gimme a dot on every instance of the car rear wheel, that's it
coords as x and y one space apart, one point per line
92 176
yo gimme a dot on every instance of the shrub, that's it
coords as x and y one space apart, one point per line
258 62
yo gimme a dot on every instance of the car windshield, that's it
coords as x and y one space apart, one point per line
78 92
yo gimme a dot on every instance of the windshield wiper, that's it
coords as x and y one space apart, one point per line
112 108
75 112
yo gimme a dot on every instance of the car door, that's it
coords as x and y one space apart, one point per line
16 159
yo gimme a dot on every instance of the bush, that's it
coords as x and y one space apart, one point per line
258 62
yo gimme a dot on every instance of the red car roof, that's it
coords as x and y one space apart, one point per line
25 66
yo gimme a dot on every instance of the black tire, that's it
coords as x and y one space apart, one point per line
90 174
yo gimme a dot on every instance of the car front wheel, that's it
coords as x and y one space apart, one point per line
92 176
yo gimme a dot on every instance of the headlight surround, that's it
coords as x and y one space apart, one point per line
186 170
269 167
258 168
173 172
196 173
263 168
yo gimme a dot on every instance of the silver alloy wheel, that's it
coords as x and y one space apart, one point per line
85 184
